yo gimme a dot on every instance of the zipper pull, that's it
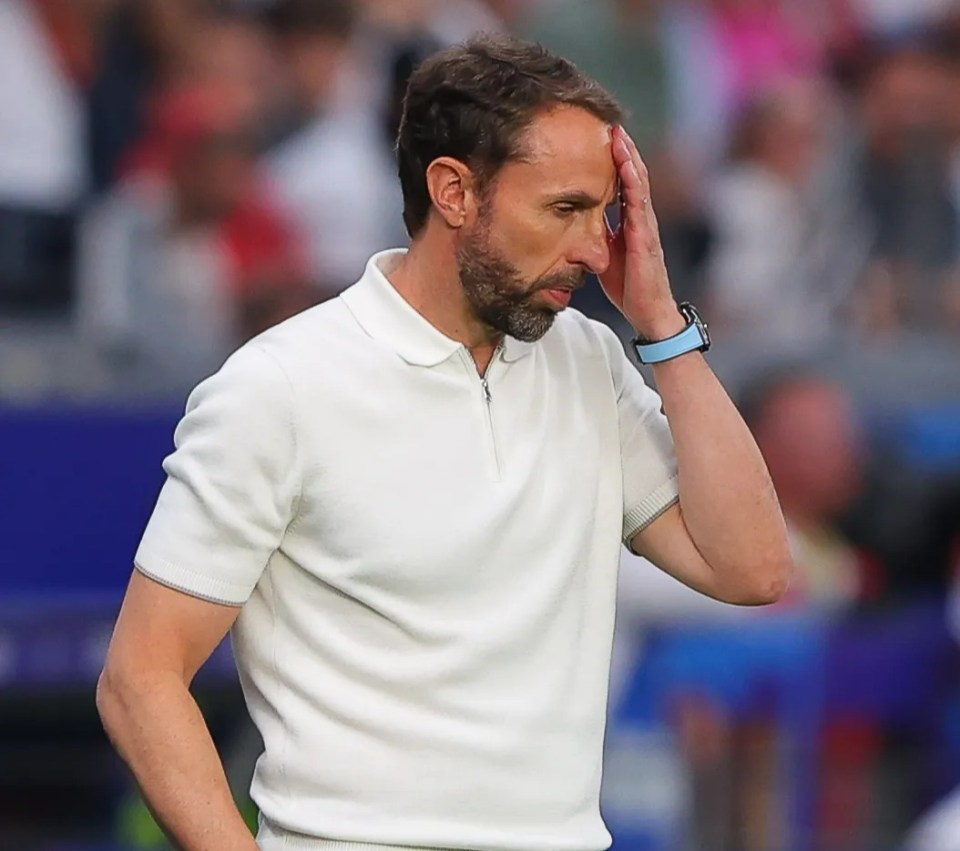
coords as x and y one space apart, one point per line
486 389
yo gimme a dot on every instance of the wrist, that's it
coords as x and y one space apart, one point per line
661 326
672 337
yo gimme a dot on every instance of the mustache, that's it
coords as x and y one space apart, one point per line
563 281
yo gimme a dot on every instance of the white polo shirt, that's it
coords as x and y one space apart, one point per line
427 565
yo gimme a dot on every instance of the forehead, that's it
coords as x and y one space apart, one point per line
568 147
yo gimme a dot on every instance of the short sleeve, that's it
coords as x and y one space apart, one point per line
648 459
232 483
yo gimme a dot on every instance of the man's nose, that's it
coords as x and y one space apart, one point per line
592 249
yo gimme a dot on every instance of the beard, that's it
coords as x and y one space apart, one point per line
498 293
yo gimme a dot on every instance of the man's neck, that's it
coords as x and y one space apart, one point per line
428 280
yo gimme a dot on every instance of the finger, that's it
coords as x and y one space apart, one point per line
635 156
640 229
621 151
638 180
633 191
634 151
622 157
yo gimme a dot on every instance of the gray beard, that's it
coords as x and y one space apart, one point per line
500 297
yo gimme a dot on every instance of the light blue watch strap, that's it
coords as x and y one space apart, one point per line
688 340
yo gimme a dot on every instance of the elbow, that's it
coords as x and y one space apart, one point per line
112 701
771 590
107 700
772 579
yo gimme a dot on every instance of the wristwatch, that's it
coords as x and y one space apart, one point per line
694 338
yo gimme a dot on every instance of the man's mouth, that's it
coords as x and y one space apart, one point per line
560 296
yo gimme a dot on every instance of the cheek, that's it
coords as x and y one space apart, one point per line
532 241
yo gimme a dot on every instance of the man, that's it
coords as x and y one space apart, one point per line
408 502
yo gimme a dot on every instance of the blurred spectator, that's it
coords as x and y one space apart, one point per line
950 51
762 41
731 723
443 21
908 103
48 51
892 19
806 429
938 829
335 175
144 42
618 42
48 58
721 53
787 247
729 726
234 54
187 257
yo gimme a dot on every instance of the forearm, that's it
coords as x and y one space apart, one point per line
158 729
728 538
728 503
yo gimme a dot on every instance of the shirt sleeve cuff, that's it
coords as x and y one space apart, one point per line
649 509
189 582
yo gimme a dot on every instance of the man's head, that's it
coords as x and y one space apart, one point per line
504 154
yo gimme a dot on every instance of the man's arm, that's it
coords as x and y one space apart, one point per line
726 537
161 639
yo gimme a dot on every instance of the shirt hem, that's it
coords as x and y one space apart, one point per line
276 838
270 837
186 581
306 843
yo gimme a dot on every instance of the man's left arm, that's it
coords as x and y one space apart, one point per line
726 536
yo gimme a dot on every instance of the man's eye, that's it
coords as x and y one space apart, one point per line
564 209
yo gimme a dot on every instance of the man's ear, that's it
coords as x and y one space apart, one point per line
453 190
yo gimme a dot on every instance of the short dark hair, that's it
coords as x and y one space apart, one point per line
474 101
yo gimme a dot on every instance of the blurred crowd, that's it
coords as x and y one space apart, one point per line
176 175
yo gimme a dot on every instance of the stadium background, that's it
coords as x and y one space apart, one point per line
176 175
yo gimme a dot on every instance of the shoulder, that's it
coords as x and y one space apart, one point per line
593 351
312 332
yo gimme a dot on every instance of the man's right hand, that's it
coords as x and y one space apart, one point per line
161 639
